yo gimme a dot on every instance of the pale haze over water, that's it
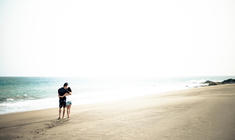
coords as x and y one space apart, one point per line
117 38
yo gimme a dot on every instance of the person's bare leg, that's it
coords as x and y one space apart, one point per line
69 108
68 111
59 113
63 112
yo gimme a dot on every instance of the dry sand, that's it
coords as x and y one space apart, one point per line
206 113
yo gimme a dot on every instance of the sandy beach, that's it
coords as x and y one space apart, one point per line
205 113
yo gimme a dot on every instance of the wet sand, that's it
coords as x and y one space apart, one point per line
205 113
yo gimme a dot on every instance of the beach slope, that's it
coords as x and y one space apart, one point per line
205 113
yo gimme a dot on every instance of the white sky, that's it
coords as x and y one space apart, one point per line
117 38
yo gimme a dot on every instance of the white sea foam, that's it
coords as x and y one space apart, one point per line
84 98
10 99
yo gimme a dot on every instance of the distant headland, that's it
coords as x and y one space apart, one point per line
212 83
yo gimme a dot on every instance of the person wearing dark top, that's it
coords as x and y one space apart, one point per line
62 92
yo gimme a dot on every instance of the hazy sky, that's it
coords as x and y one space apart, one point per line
117 38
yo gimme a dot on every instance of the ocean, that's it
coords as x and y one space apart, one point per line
18 94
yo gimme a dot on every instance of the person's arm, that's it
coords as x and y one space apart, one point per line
60 96
67 94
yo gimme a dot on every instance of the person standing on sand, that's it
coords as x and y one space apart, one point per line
69 101
62 92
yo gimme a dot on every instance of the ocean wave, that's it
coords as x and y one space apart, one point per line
17 98
9 99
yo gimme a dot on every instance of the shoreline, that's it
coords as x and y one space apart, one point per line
105 101
31 98
166 93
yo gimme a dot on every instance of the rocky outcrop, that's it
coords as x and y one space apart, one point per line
228 81
212 83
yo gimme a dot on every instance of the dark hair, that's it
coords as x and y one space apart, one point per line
69 89
66 84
